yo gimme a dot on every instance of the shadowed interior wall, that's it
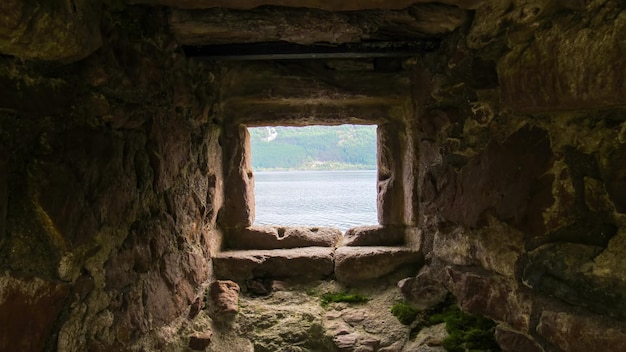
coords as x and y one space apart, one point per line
502 150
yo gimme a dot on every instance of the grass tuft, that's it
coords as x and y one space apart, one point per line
342 297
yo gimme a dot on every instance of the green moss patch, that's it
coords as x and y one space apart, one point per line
466 332
342 297
405 312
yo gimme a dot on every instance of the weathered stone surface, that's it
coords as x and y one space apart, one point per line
369 326
614 178
539 77
301 263
354 264
328 5
513 341
300 94
491 296
223 300
576 333
238 208
504 179
497 247
391 206
283 321
98 154
195 308
277 237
59 31
200 341
429 339
566 271
4 190
423 290
30 307
301 26
374 236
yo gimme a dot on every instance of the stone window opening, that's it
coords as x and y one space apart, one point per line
237 217
314 176
304 94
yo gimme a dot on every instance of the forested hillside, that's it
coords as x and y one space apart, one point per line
313 147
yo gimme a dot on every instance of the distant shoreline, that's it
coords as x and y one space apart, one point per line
324 167
303 170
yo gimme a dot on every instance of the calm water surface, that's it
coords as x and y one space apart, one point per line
341 199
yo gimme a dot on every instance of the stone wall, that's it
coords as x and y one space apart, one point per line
520 210
502 152
109 189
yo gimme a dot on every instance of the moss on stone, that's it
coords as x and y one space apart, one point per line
466 332
331 297
405 312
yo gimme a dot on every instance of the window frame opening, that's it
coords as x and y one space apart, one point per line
236 217
304 93
299 162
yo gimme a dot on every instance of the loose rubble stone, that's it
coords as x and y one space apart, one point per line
195 308
224 300
200 341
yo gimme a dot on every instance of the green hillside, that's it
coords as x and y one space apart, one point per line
313 147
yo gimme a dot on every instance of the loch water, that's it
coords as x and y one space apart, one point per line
341 199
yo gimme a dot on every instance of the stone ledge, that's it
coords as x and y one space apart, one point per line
282 237
353 264
376 235
306 263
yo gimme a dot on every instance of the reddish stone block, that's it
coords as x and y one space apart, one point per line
30 307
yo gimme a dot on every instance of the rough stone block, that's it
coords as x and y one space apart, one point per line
485 247
29 307
200 341
423 290
567 271
27 29
353 264
223 300
306 27
273 237
513 341
374 236
576 333
492 296
238 208
576 64
305 263
508 178
351 5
